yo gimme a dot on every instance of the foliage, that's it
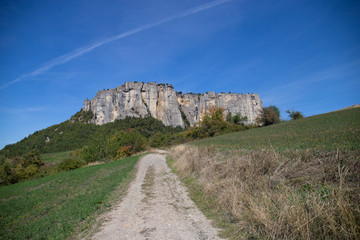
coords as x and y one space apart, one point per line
55 206
124 152
70 135
295 114
63 137
237 119
275 109
121 144
166 139
19 168
32 158
212 124
269 116
95 151
82 116
128 142
186 121
94 143
70 164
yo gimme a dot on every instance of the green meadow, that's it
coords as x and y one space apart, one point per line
55 157
56 206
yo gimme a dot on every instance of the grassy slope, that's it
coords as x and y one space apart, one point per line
55 157
328 131
288 183
53 207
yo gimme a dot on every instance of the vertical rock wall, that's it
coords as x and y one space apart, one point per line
161 102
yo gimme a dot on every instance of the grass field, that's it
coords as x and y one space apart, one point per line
55 157
330 131
295 180
53 207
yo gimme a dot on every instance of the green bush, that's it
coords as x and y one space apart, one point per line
32 158
130 138
101 149
294 115
269 116
7 174
19 168
214 124
95 151
70 163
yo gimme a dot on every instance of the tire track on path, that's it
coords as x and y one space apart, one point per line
160 211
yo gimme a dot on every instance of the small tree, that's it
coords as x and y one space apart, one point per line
270 115
275 109
295 114
237 119
229 117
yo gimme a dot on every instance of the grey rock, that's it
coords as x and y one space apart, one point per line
160 101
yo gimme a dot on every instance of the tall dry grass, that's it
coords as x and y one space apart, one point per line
287 195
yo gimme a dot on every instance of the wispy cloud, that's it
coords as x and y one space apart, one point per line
80 51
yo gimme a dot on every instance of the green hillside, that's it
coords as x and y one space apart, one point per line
329 131
70 135
54 207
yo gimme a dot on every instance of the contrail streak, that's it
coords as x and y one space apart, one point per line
80 51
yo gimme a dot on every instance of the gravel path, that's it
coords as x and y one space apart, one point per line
156 207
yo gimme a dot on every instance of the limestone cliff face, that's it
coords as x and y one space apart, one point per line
196 106
161 102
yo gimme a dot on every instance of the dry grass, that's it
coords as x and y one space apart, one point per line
295 194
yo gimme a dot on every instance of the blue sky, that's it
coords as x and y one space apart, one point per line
54 54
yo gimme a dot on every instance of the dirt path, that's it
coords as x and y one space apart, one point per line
156 207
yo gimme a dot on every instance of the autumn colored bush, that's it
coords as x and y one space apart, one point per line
15 169
70 164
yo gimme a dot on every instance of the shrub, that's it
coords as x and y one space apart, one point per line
101 149
70 163
32 158
7 174
237 119
275 109
124 152
269 116
129 137
213 124
294 115
95 151
19 168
